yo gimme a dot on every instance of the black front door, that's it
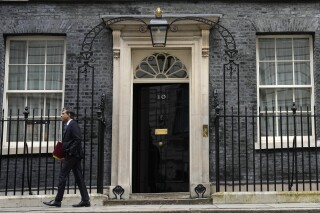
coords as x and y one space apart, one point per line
160 138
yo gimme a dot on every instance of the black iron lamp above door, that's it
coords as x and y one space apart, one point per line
158 29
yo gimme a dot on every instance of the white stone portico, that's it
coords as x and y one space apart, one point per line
191 44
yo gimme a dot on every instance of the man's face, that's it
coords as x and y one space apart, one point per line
65 116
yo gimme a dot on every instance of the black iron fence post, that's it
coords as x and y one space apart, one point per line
294 110
100 172
25 152
217 139
294 151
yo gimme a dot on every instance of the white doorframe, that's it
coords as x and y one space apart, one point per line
124 43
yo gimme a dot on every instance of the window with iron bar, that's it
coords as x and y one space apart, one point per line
285 80
34 77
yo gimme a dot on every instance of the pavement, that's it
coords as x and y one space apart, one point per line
217 208
33 204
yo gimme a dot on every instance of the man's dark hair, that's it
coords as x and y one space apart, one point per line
69 111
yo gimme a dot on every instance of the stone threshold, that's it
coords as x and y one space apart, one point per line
174 198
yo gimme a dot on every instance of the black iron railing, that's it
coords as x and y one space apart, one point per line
27 142
255 150
266 149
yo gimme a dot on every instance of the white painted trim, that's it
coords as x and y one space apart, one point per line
121 172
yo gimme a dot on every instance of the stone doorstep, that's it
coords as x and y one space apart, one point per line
150 196
176 198
36 200
266 197
190 201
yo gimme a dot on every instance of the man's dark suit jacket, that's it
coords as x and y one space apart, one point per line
71 140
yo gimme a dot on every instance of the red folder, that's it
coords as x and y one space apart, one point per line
58 153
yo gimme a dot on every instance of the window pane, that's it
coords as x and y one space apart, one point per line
266 49
53 130
18 52
15 130
301 49
162 65
286 124
285 73
267 99
285 99
17 77
33 132
53 104
267 73
54 77
15 102
267 125
35 77
55 52
36 104
284 48
303 98
302 73
302 125
36 54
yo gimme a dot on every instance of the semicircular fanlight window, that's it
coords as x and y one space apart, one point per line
161 65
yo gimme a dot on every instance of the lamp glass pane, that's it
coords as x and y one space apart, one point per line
158 34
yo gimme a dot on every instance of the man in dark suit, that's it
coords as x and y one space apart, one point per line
71 145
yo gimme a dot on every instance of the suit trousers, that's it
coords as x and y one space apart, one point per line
74 164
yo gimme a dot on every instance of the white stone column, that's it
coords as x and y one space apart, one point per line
205 109
121 126
125 122
115 109
199 147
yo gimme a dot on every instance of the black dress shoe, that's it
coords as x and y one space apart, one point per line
82 204
53 203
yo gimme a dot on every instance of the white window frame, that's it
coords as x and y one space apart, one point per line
35 144
272 142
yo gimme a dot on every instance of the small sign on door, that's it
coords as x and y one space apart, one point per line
161 131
